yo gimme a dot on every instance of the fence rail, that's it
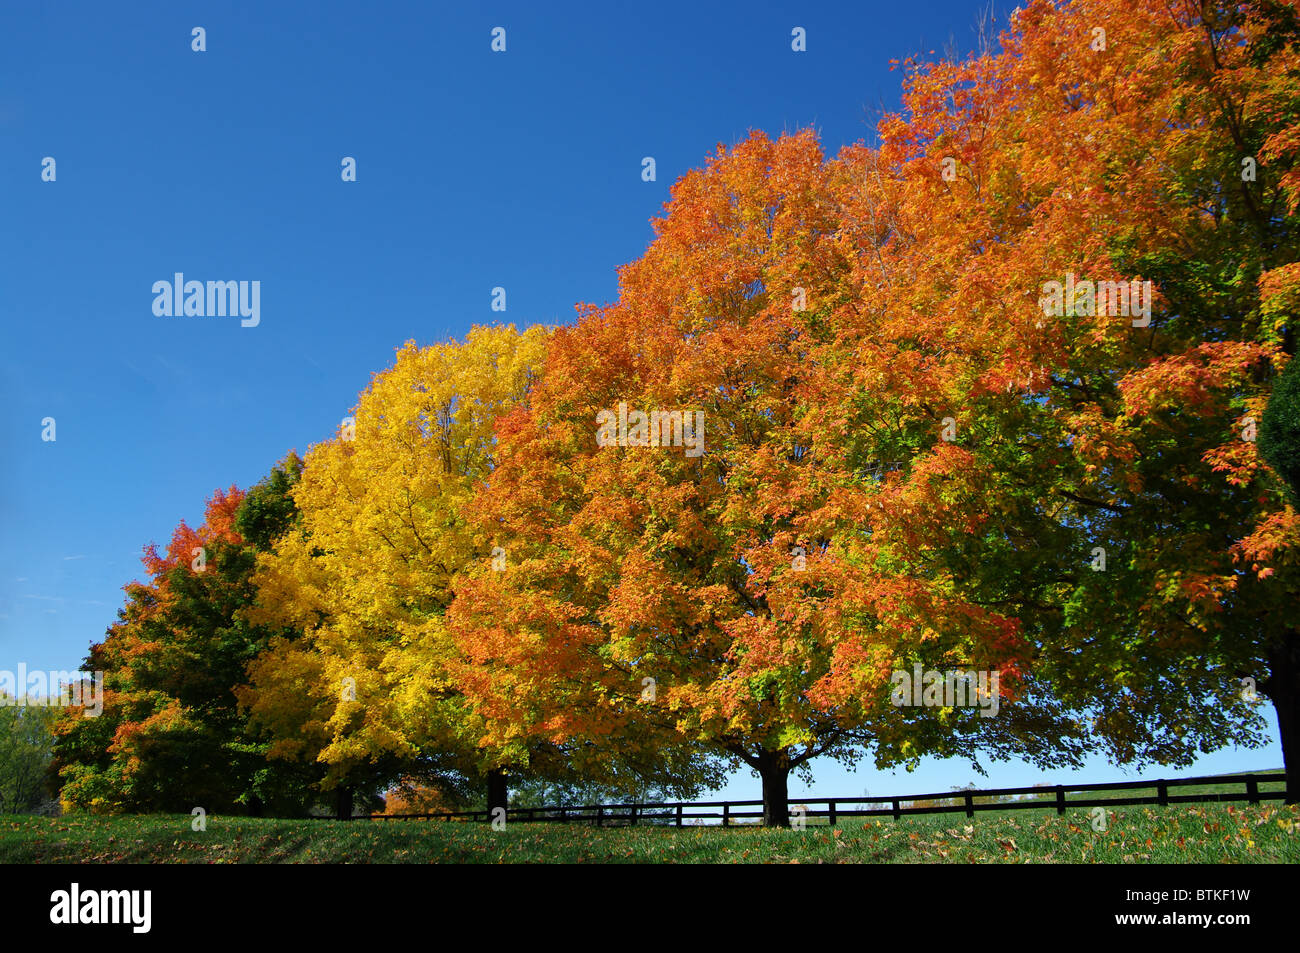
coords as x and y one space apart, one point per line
675 813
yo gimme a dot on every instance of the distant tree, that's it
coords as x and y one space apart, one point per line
26 747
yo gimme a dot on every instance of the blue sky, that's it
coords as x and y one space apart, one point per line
475 170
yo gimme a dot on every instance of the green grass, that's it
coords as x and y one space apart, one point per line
1187 833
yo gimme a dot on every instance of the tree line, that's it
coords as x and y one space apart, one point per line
926 441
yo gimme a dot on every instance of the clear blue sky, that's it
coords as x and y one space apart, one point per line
475 169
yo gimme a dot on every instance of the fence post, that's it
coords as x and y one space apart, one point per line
1162 792
726 814
600 817
898 812
1060 799
679 815
633 818
970 804
830 812
1252 789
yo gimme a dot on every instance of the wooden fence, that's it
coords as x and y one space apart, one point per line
738 813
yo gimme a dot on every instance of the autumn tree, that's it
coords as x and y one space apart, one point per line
368 572
170 736
669 519
1074 455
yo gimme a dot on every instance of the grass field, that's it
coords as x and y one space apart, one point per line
1197 834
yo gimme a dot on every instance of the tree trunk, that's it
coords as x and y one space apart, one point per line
1283 687
774 769
343 804
496 790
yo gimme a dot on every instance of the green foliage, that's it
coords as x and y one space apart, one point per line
26 745
268 510
1279 430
